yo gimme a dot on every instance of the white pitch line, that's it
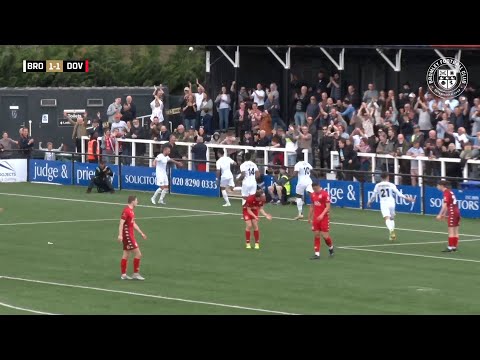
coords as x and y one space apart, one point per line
403 229
25 309
408 254
147 295
214 212
97 220
403 244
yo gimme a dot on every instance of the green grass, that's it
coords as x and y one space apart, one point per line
203 258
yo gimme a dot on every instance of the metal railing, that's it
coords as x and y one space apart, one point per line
152 143
335 161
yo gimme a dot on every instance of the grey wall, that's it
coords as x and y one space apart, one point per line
28 102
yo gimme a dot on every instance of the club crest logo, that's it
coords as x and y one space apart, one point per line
447 78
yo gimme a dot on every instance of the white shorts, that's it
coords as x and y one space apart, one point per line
300 189
162 180
226 182
388 209
249 189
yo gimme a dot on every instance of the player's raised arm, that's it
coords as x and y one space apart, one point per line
120 230
136 227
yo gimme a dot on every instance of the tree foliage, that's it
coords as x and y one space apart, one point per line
109 65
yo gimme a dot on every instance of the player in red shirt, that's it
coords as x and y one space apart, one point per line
319 218
126 236
251 208
451 213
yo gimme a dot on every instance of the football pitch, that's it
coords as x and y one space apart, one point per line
60 255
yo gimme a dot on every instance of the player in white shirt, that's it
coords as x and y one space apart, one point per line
387 191
302 170
225 174
160 163
248 174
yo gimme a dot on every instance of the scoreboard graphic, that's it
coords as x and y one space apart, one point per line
55 66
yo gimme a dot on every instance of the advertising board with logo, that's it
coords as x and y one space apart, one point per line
13 170
56 172
85 171
468 202
138 178
194 183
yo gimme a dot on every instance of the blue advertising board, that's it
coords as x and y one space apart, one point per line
85 171
401 204
139 178
343 193
468 202
194 183
56 172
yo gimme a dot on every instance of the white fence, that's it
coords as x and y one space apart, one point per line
334 161
151 143
266 150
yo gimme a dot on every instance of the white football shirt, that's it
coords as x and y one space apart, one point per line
162 162
249 168
386 191
223 164
304 169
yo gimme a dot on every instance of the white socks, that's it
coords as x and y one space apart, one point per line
225 196
162 196
300 206
390 224
158 191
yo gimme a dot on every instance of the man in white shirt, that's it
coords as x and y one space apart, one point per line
224 173
302 169
120 125
160 163
259 97
386 191
249 174
198 98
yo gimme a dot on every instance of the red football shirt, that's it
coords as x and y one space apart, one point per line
129 216
253 203
319 201
451 201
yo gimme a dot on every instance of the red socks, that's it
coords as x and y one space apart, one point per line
328 241
123 266
256 235
453 241
124 263
316 244
247 236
